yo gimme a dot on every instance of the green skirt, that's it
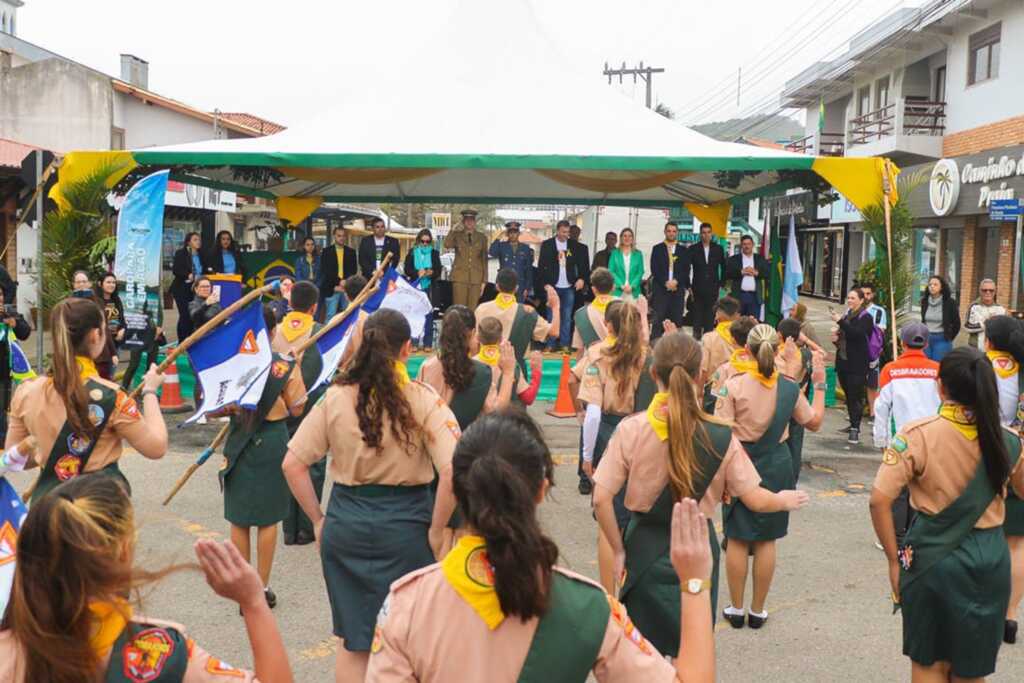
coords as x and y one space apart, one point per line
373 536
1014 524
255 490
776 469
956 611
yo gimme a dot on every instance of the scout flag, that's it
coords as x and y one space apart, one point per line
12 514
228 288
231 362
398 294
332 347
794 276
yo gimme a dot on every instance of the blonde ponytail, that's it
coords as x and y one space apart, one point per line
71 322
627 355
763 342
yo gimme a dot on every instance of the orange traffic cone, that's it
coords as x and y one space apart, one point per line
564 406
170 397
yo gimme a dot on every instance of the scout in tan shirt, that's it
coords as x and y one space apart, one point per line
387 436
77 418
455 622
761 404
718 347
87 530
520 324
951 575
588 322
656 470
738 331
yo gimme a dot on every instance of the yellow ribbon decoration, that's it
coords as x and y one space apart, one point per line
656 412
505 301
961 417
111 620
1007 368
489 354
295 324
86 367
601 301
401 374
468 570
722 329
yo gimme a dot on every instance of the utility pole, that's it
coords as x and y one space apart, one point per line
644 73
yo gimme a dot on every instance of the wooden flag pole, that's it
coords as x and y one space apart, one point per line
338 318
886 190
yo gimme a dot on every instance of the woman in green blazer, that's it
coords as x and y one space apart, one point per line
627 266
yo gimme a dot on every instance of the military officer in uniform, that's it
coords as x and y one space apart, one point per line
469 272
511 253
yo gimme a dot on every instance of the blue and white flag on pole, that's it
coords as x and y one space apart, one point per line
398 294
794 274
231 362
12 514
332 347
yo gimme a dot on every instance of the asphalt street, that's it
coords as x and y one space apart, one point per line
830 616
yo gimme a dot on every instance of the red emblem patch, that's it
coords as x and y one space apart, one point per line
279 369
127 406
67 466
146 655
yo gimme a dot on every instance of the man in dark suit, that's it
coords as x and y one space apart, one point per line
331 275
583 259
669 279
748 273
601 258
707 273
560 267
372 249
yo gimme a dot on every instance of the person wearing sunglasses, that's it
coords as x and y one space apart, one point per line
422 267
983 308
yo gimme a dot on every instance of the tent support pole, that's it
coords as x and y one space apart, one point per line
886 189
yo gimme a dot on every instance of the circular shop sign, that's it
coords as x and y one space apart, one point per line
944 187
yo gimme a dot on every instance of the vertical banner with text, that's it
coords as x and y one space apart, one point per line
137 259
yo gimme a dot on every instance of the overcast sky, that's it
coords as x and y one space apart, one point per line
281 60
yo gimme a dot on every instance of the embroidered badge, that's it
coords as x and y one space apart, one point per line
479 568
377 643
722 392
95 394
96 414
146 655
906 556
620 617
216 666
127 406
453 427
899 443
279 369
592 370
890 456
67 466
78 444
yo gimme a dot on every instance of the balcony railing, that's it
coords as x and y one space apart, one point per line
909 116
830 145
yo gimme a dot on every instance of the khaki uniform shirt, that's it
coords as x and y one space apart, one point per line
427 633
332 426
937 462
637 459
597 320
750 406
37 409
470 265
293 394
490 309
202 668
598 386
715 351
432 373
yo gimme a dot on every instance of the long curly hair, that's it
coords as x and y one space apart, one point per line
373 371
456 330
627 356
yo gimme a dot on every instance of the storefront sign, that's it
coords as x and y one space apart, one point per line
197 197
968 184
800 205
1004 209
843 211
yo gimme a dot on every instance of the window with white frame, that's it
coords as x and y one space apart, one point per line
983 54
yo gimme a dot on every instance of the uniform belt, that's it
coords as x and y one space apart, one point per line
382 490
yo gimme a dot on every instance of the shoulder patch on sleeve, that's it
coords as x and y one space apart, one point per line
632 633
899 443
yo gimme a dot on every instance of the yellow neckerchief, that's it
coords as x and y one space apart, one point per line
738 357
468 570
111 619
600 302
656 413
505 301
722 329
86 367
401 374
1005 369
609 340
961 417
296 324
489 354
749 367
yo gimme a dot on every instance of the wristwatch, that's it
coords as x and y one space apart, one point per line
696 586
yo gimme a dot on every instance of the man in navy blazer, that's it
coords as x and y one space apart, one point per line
670 267
707 273
372 249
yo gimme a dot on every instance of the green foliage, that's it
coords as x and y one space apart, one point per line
78 238
876 270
